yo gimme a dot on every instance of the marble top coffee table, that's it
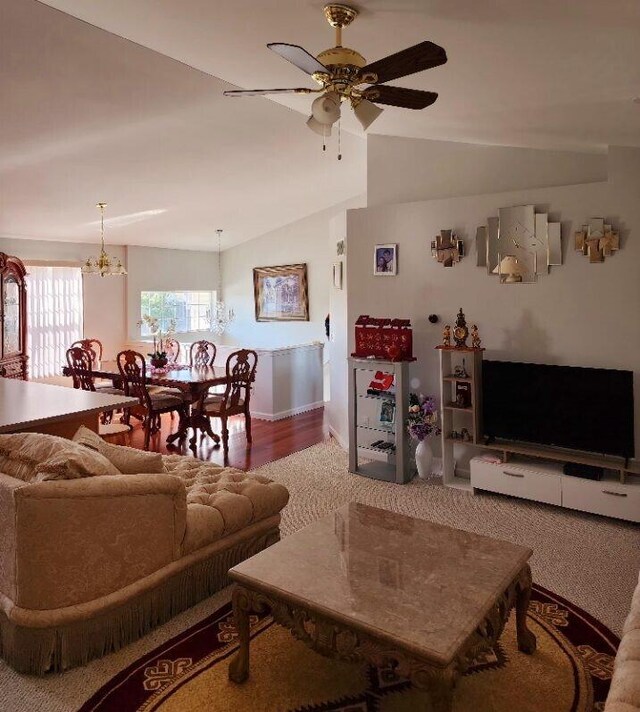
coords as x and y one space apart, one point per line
365 584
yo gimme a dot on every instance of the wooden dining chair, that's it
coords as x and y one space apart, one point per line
133 370
172 348
240 375
93 346
80 361
202 353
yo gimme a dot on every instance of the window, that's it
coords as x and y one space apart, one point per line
54 316
191 310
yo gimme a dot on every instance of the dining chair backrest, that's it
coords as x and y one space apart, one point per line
133 369
93 346
172 348
241 372
80 362
202 353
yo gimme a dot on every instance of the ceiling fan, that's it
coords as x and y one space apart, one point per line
344 75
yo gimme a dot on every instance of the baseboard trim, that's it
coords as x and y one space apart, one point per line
338 438
287 413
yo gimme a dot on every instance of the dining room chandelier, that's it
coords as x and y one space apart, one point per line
103 264
221 317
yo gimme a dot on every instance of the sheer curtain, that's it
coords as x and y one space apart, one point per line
54 315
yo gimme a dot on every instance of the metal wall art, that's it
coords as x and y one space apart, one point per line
447 248
519 244
597 240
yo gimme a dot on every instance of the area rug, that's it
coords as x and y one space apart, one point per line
570 672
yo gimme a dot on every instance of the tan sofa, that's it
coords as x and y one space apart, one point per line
624 694
87 565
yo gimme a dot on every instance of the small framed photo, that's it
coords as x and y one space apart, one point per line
387 413
385 260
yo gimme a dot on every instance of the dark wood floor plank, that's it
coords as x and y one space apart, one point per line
272 440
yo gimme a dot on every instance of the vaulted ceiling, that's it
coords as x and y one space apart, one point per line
135 116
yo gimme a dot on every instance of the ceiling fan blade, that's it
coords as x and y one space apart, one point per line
259 92
298 56
398 96
409 61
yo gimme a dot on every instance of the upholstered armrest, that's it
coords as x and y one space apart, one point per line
77 540
8 487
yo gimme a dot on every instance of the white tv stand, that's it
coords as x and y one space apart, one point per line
544 481
526 470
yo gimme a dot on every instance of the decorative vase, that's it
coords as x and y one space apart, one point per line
160 362
424 459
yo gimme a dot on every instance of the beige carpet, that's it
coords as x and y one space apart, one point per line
589 560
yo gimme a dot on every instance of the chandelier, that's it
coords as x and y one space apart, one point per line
221 317
103 264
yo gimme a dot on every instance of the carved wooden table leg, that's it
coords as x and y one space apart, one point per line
239 666
438 687
526 639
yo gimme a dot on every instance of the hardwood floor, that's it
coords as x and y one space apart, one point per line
272 440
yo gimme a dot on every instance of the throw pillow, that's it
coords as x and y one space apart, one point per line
36 456
127 459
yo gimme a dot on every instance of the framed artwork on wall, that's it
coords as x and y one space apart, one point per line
385 260
281 293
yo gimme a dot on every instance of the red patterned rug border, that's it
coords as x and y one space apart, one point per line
125 692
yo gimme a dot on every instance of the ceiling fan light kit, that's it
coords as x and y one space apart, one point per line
344 75
326 108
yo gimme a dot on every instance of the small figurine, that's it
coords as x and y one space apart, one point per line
475 337
461 371
446 336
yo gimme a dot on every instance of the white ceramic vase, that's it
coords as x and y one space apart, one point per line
424 459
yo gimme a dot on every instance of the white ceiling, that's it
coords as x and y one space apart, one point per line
88 116
94 117
538 73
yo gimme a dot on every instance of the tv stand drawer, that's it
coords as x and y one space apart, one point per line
540 485
612 499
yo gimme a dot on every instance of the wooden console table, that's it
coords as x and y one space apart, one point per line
55 410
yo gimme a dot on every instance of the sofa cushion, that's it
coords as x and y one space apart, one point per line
127 460
624 695
222 500
38 457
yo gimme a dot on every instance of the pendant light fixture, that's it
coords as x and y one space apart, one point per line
103 264
221 317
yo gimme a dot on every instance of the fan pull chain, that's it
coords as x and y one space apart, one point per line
339 140
324 138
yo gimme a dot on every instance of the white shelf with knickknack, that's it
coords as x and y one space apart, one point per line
459 365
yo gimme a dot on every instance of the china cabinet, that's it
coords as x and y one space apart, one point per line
13 318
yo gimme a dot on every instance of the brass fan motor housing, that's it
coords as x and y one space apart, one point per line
341 56
339 15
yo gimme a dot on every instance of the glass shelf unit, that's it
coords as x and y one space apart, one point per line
365 426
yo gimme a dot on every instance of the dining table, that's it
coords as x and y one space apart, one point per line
192 381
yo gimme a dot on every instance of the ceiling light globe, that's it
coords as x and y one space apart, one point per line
326 108
366 112
317 127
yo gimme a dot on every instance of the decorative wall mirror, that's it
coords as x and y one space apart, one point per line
519 244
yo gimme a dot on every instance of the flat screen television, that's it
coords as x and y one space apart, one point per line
588 409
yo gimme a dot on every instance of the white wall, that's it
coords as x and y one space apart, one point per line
402 170
163 270
104 298
305 241
580 314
